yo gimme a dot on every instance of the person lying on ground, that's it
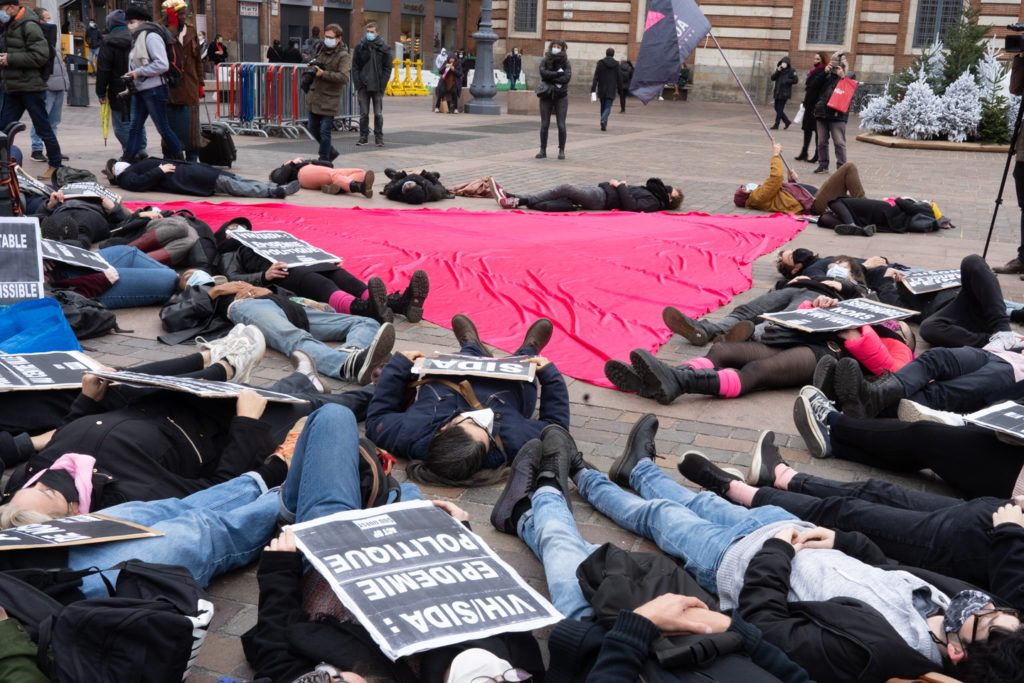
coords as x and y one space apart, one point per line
976 313
286 643
861 216
617 635
321 175
327 283
459 432
815 593
191 178
980 541
174 238
203 307
919 441
133 279
654 195
414 188
94 217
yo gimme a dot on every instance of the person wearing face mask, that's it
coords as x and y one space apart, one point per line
111 64
371 69
467 431
553 92
512 65
94 40
333 64
191 178
21 78
813 84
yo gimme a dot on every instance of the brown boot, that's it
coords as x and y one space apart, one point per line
466 332
538 336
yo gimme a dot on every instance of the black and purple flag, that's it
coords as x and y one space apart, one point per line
672 30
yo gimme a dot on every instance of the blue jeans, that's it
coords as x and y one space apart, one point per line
16 104
152 102
606 107
54 111
695 527
549 529
321 127
142 281
323 478
209 532
122 129
356 331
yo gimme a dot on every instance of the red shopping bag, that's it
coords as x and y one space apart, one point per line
842 95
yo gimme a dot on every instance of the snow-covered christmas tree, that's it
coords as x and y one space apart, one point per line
961 108
917 116
875 116
991 72
933 61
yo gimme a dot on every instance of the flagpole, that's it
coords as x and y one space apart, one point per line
747 95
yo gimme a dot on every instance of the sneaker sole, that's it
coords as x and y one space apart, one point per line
368 184
420 288
495 191
380 349
807 427
909 411
756 463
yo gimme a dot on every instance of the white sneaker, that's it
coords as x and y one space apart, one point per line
909 411
218 347
245 362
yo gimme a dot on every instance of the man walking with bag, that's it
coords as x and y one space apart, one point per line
371 69
149 62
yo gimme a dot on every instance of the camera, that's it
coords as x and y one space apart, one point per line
1015 43
310 74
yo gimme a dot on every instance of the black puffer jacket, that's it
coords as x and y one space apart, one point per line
557 72
784 79
111 64
428 187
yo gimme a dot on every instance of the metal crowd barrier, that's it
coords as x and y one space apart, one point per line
258 98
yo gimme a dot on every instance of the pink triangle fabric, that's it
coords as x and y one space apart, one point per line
602 278
652 19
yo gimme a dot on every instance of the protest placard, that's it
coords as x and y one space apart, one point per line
416 579
926 281
279 246
78 530
510 367
1006 417
46 370
199 387
88 190
29 185
21 260
72 255
844 315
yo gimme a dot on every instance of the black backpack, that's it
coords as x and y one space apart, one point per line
374 483
46 70
149 629
88 318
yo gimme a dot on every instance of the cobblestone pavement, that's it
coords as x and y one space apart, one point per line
707 149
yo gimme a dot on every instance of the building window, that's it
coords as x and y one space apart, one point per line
826 23
934 18
526 16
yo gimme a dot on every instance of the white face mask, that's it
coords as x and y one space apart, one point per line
483 418
515 52
837 270
330 42
556 50
4 17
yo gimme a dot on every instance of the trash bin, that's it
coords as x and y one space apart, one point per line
78 79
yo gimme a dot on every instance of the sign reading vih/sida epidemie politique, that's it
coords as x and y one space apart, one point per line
278 246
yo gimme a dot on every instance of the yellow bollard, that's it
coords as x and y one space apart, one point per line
407 81
418 88
395 84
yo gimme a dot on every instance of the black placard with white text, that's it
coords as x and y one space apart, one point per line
78 530
279 246
72 255
416 579
925 281
845 315
21 260
204 388
46 370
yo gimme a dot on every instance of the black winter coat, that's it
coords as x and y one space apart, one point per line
841 639
625 73
371 65
630 198
428 188
557 72
812 93
784 80
607 79
94 222
821 109
512 66
111 64
164 445
189 177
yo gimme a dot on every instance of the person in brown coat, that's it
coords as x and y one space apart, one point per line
183 104
332 62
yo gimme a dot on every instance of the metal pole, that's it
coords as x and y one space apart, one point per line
1006 172
747 95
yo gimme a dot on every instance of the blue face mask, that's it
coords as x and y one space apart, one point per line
371 36
200 277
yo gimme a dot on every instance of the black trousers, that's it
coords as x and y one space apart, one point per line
560 108
977 312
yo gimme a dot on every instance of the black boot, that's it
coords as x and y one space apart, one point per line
802 156
410 302
375 305
814 159
625 378
654 373
639 445
861 398
515 498
558 448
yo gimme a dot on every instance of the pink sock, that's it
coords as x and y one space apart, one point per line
783 475
701 363
741 493
365 295
341 301
729 383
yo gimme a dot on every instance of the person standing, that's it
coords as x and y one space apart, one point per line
626 74
831 122
56 85
1016 265
148 61
183 110
274 53
334 63
785 77
111 63
513 67
371 69
94 39
21 77
606 84
217 52
310 45
555 74
812 91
